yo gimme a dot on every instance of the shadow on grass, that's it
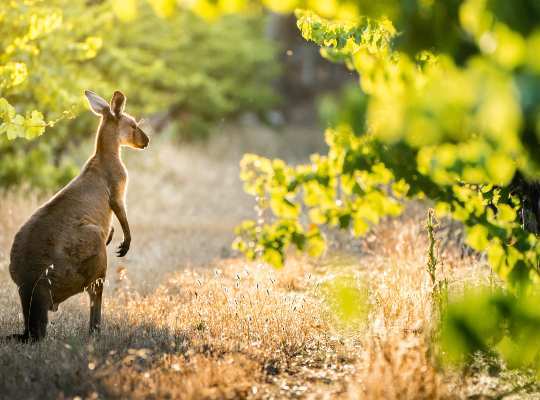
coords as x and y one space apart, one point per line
76 364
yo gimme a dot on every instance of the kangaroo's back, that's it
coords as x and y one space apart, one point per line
41 239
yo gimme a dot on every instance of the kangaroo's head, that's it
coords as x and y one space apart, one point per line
115 122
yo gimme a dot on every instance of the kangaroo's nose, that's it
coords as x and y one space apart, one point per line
147 142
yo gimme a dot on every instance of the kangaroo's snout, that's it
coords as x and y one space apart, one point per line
142 139
145 139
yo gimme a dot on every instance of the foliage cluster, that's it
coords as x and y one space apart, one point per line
165 59
508 327
452 115
456 131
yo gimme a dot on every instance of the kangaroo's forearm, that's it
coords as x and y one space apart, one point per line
120 211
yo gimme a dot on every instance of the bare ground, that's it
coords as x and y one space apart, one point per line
186 318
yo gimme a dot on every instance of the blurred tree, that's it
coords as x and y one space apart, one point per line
165 59
305 74
39 50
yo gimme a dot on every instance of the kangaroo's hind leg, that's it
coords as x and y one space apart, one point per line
87 253
35 301
95 290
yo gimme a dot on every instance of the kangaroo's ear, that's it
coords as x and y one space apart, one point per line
98 104
118 103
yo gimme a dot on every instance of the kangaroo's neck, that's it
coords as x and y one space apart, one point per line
107 148
107 159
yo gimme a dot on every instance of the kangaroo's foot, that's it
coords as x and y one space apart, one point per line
17 337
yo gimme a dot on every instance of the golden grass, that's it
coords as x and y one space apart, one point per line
184 318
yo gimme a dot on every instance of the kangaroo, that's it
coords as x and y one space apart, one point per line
61 250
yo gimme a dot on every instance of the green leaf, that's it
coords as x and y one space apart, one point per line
315 245
477 237
506 213
273 257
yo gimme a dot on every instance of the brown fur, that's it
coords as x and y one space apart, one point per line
61 250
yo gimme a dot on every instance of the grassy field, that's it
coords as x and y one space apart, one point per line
185 317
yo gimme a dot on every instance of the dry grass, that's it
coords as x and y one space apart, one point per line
183 318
